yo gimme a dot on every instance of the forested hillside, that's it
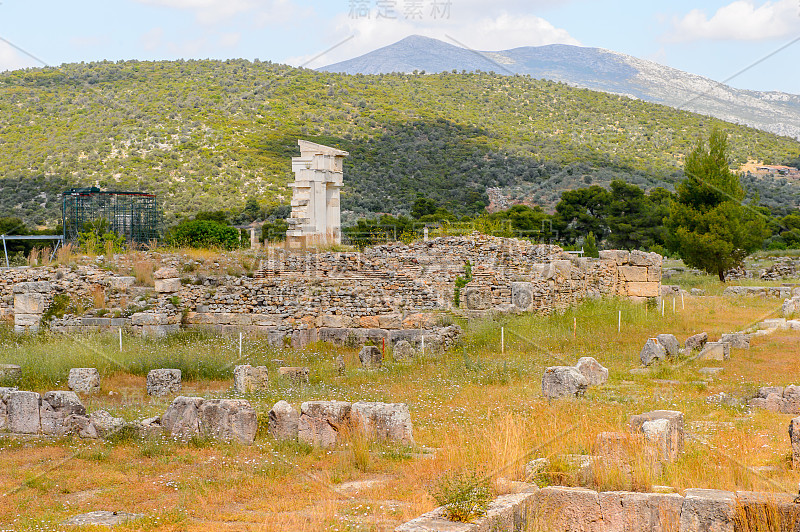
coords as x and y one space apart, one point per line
207 135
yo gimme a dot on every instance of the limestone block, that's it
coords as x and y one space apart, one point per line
641 258
121 283
149 318
283 421
30 303
368 322
80 425
389 321
56 407
625 511
296 375
101 518
654 274
403 350
567 509
159 331
670 344
161 382
563 381
419 321
10 372
23 412
773 323
675 432
247 379
105 424
167 286
778 510
181 420
612 445
657 434
706 510
522 296
715 351
168 272
636 274
794 440
322 423
476 298
592 370
737 340
506 513
652 351
228 420
696 342
331 320
371 357
43 287
643 289
84 380
389 422
619 256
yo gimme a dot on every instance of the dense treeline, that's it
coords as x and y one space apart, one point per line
205 134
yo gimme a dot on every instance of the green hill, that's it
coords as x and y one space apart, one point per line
209 134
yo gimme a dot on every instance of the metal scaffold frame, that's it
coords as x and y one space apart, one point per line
133 215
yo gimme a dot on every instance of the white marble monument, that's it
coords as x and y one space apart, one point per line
316 217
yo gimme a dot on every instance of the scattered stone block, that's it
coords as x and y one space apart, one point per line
167 272
296 375
403 350
506 512
101 518
657 433
389 422
224 419
794 439
121 283
705 510
563 381
639 371
670 344
674 438
612 445
322 423
697 292
568 509
370 357
773 323
652 351
167 286
718 351
283 421
711 372
737 340
84 380
79 425
593 371
522 296
10 373
161 382
341 367
23 412
696 342
247 378
106 424
55 408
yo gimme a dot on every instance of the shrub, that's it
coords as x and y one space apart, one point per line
203 234
465 496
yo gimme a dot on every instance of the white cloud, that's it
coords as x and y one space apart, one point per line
489 33
741 20
11 59
230 40
212 12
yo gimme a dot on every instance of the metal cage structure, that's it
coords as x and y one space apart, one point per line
133 215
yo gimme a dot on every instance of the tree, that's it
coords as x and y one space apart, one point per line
582 211
709 226
590 246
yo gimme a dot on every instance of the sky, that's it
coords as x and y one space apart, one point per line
747 42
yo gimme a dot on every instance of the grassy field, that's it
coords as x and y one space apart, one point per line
472 407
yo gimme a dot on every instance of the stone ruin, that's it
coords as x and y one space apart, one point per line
388 294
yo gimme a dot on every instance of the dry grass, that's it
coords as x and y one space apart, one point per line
143 272
98 296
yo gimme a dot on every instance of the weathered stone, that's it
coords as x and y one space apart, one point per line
507 512
567 509
121 283
620 257
657 433
737 340
522 296
296 375
673 445
476 298
23 412
80 425
56 407
563 381
633 273
84 380
648 290
707 510
224 419
10 372
30 303
106 424
710 372
383 421
371 357
612 445
652 351
161 382
167 272
101 518
777 510
794 440
697 292
322 423
670 344
167 286
715 351
696 342
595 373
341 367
642 258
247 379
403 350
283 421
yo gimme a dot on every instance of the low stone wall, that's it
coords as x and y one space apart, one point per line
782 292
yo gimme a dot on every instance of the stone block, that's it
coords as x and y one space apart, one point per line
403 350
641 258
105 424
643 289
778 511
389 321
121 283
506 513
248 379
794 440
323 423
56 407
10 373
23 412
522 296
636 274
84 380
43 287
476 298
706 510
613 446
619 256
696 342
652 351
160 331
419 321
30 303
670 344
228 420
592 370
567 509
715 351
388 422
167 286
563 381
737 340
161 382
79 425
625 511
673 444
371 357
283 421
296 375
168 272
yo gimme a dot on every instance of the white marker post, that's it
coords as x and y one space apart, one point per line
673 305
423 345
619 322
683 304
240 344
502 340
662 307
120 339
